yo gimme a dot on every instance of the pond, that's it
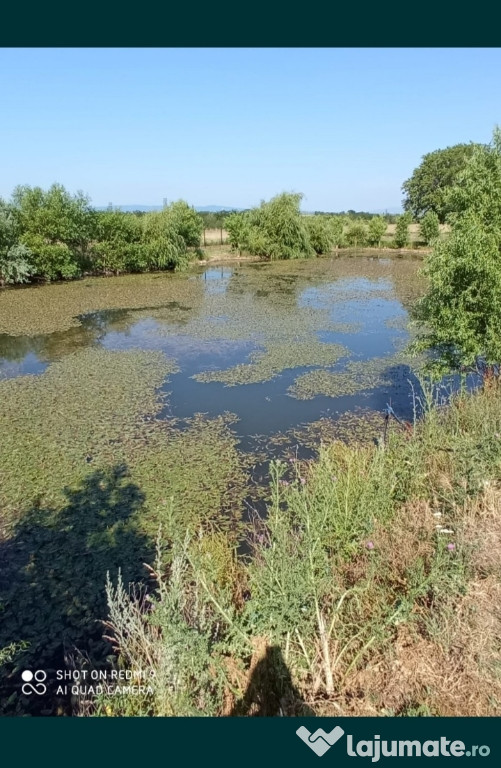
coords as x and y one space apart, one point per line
278 345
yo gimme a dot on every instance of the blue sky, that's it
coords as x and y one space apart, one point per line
233 126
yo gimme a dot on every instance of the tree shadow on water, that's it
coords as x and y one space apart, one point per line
270 691
52 582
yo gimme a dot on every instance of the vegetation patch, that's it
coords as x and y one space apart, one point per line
58 307
358 376
89 474
372 570
362 426
266 365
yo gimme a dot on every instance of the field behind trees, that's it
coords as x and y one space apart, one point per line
220 236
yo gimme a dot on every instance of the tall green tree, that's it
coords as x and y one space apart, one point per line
428 187
377 228
186 222
460 316
402 230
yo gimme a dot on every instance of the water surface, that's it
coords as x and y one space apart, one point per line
242 335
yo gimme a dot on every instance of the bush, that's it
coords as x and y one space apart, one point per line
15 258
402 230
16 265
429 227
324 235
356 235
377 228
461 311
53 261
56 226
237 226
184 221
275 230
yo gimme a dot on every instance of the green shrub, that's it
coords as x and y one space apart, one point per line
53 261
275 230
429 227
357 235
15 258
323 234
16 264
377 228
402 230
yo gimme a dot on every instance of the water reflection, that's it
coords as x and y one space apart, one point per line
216 279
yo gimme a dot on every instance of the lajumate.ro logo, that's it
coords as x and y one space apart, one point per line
376 748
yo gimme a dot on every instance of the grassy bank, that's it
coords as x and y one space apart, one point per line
372 587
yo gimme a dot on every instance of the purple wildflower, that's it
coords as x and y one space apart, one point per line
370 545
284 483
451 547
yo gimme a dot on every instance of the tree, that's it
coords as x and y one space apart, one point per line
275 230
323 235
56 226
337 228
460 316
427 188
237 225
167 236
15 258
478 188
118 235
429 227
186 222
357 234
377 228
402 230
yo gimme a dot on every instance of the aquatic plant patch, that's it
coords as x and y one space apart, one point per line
275 359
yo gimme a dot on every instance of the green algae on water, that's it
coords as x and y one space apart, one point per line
96 410
275 359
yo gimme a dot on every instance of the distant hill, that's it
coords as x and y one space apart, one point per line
148 208
215 208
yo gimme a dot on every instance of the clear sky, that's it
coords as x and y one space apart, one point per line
233 126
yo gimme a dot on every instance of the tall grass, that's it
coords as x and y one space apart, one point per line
374 576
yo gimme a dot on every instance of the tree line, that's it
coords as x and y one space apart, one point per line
53 235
